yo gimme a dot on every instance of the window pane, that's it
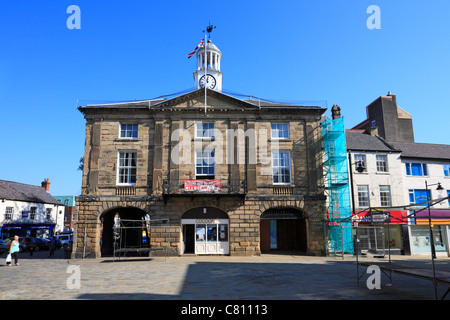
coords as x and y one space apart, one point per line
446 170
223 232
408 169
281 167
128 130
363 196
279 130
411 196
200 233
204 163
132 176
381 163
127 167
204 130
416 169
212 232
385 196
360 159
419 196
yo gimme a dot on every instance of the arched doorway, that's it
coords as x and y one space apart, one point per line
133 236
283 229
205 231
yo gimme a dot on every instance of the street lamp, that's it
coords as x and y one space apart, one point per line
439 188
433 250
360 168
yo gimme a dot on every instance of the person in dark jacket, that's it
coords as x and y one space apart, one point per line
52 247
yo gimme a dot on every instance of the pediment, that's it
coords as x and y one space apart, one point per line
196 100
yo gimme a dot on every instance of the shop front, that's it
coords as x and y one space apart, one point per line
420 232
28 230
205 231
383 229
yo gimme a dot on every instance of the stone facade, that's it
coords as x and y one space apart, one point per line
165 157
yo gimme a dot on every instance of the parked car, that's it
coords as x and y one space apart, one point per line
3 248
43 244
25 244
66 240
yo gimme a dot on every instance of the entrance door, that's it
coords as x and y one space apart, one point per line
205 236
205 231
282 229
188 238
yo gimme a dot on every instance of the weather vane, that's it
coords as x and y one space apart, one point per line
209 29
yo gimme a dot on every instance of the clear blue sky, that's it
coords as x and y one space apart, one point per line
281 50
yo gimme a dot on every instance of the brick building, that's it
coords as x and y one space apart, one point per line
232 176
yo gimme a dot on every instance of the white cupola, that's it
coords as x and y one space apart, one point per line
208 68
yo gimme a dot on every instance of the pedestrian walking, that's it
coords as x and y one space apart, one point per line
52 247
14 250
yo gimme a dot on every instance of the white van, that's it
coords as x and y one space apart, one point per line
66 239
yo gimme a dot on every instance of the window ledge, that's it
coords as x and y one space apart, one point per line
280 140
127 140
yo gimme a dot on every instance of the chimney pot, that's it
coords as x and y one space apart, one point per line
46 184
335 112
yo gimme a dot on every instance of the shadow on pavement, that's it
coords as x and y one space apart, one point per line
215 281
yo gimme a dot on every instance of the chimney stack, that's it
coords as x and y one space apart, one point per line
46 184
335 112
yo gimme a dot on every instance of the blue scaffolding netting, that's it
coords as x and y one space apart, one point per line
339 227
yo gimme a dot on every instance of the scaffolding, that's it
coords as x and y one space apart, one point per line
135 236
338 226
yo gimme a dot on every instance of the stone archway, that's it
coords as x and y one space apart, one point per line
107 222
283 229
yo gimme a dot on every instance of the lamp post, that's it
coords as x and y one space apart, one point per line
360 168
439 188
433 249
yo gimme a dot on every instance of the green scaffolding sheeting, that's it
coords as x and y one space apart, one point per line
339 231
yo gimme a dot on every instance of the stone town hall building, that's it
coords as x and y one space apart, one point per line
232 176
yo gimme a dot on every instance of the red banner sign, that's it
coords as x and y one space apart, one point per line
393 217
202 185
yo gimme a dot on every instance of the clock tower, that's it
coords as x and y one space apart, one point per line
208 68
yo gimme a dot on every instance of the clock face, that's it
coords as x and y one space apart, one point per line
209 81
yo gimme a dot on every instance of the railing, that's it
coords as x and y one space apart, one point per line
204 187
282 190
125 191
